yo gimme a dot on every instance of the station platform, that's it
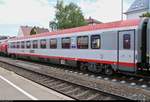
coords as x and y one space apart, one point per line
15 87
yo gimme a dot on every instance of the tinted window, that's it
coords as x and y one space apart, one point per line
10 45
35 44
43 44
53 43
66 42
22 44
14 45
95 42
18 44
83 42
127 41
28 44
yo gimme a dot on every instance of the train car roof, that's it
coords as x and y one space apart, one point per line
117 24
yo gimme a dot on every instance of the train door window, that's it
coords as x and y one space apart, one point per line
35 44
53 43
83 42
18 45
95 42
127 41
66 43
28 44
12 45
22 44
43 44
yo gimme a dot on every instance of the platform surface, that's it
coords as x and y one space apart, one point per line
15 87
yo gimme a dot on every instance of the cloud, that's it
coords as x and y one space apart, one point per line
103 10
26 12
14 13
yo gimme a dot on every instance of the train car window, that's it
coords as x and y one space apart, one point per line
14 45
28 44
22 44
18 45
95 42
53 43
43 44
66 43
83 42
35 44
127 41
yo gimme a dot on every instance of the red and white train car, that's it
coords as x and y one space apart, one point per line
3 48
108 47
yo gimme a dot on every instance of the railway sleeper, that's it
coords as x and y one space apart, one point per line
84 94
93 97
74 91
65 89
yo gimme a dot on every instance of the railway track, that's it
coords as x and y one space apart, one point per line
75 91
78 88
133 80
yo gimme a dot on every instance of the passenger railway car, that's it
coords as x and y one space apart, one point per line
108 47
3 48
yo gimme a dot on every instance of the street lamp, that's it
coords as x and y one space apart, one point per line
121 9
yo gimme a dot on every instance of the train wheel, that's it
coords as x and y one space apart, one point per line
83 67
99 68
13 56
108 70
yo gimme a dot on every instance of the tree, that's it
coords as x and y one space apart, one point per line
68 16
146 14
53 26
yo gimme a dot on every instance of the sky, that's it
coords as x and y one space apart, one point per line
16 13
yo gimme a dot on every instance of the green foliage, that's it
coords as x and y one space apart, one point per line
68 16
146 14
53 25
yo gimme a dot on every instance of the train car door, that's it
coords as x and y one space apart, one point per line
126 50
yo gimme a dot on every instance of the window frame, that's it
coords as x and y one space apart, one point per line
33 44
62 46
99 42
125 45
28 47
45 44
87 42
52 45
18 45
14 45
22 44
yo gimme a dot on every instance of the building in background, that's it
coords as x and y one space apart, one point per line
138 8
91 21
28 30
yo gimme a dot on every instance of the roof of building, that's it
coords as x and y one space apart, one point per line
26 30
102 26
91 21
138 5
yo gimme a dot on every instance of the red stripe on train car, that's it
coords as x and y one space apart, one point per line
118 24
125 64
